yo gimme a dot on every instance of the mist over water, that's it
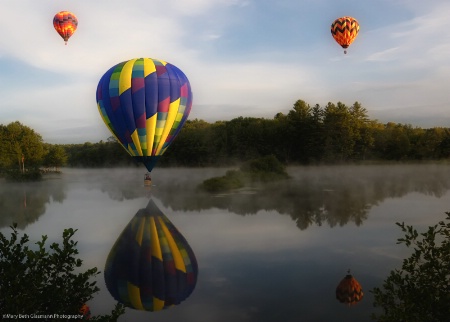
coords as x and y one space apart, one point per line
271 253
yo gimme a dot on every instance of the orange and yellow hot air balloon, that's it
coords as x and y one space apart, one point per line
65 24
344 30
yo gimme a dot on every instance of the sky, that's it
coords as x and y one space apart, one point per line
251 58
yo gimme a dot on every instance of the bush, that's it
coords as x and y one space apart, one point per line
43 282
228 182
267 164
265 169
19 176
420 291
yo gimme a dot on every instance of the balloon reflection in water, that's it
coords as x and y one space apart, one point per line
85 311
151 266
349 290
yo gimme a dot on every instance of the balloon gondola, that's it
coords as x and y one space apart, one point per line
344 30
151 266
144 102
349 290
147 180
65 24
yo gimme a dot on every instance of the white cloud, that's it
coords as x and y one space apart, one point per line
412 39
239 3
385 55
252 87
211 36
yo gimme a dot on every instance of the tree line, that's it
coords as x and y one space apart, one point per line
330 134
335 133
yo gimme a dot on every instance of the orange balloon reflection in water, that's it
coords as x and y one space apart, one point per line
349 290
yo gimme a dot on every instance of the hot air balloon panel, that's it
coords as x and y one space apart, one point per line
151 266
65 24
349 290
344 30
144 102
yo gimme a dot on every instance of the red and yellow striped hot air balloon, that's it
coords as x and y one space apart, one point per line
344 30
349 290
65 24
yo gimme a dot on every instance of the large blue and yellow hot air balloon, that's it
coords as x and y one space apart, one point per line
151 266
144 102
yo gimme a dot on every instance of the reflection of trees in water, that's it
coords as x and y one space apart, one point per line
315 195
304 201
23 203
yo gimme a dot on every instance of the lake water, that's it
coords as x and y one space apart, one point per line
275 253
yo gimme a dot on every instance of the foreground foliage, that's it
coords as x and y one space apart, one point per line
420 290
40 281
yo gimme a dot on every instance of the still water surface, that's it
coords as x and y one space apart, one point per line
275 253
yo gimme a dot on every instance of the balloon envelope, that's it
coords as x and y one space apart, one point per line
65 24
344 30
85 311
144 102
349 290
151 266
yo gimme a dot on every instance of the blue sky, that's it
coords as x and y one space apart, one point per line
243 58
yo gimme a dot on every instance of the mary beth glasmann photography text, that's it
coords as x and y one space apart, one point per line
42 316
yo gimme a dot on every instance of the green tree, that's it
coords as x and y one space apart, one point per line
56 157
243 140
362 134
218 143
19 141
281 138
39 281
317 134
192 145
444 146
393 142
4 157
339 133
428 144
300 122
420 290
